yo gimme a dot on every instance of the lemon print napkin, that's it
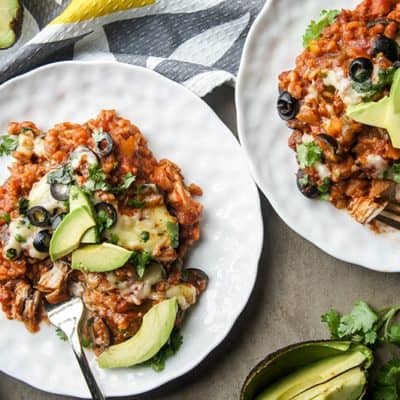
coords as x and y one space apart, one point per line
197 43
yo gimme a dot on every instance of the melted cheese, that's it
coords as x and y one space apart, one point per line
25 232
152 220
337 79
40 196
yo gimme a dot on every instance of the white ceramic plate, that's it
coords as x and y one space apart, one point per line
273 43
182 128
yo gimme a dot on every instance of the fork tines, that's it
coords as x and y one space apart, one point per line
390 215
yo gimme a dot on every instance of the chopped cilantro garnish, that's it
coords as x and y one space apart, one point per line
86 342
97 179
173 232
126 184
63 175
315 28
6 217
136 203
324 189
393 173
103 221
8 144
61 335
19 238
145 236
114 238
23 205
308 154
140 260
368 89
168 350
11 253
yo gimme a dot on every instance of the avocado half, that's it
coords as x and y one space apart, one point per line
297 372
10 22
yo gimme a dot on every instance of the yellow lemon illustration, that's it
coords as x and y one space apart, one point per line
80 10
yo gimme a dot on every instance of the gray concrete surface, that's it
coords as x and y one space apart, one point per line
296 283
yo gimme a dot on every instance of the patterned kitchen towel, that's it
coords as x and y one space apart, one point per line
197 43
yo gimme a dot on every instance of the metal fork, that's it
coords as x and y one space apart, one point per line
390 215
66 316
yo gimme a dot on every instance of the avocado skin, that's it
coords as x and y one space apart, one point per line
15 26
289 359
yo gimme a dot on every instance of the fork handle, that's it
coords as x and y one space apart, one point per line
85 368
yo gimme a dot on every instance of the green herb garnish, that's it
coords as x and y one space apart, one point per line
168 350
387 385
61 335
136 203
114 238
103 221
63 175
127 182
140 260
8 144
173 232
11 253
308 154
369 90
86 342
19 238
23 205
393 173
6 217
97 179
364 325
145 236
315 28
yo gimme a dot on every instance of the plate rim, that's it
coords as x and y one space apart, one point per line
259 228
240 111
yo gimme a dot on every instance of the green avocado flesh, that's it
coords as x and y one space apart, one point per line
311 370
100 257
384 113
350 386
10 14
78 198
154 332
314 374
67 237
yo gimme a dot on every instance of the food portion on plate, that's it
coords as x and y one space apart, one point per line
342 102
89 211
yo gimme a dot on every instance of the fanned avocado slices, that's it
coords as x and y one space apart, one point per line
10 22
329 370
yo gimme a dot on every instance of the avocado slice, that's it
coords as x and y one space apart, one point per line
102 257
295 359
10 22
68 235
154 332
347 386
309 376
78 198
384 113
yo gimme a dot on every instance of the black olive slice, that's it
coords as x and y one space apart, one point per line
41 242
38 216
109 210
60 191
361 69
104 144
306 187
386 46
287 105
57 220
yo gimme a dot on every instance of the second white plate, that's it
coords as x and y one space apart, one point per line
182 128
273 43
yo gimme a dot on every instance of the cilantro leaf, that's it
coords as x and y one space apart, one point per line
128 180
136 203
315 28
104 221
173 232
393 173
332 319
308 154
140 260
387 384
6 217
168 350
8 144
97 179
63 175
23 205
61 335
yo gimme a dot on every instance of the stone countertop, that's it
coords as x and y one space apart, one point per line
296 283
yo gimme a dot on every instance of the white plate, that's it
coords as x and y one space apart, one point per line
272 45
181 127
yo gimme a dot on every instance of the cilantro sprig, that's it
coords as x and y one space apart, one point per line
97 179
308 154
315 28
364 325
8 144
168 350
